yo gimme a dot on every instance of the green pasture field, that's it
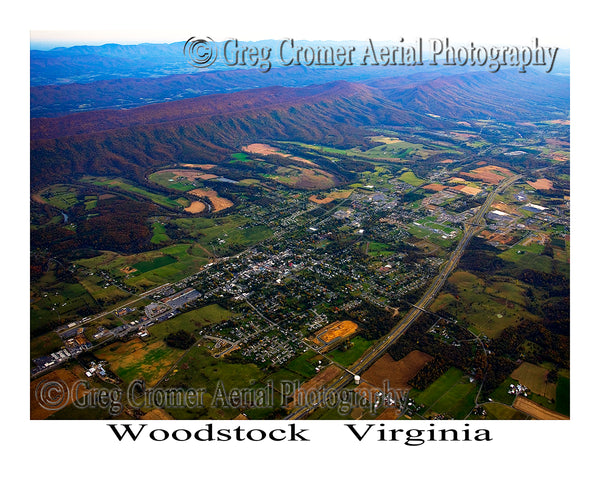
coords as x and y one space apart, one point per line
488 308
200 369
534 378
191 321
410 178
421 232
451 393
146 266
498 411
120 184
528 259
438 388
137 359
164 179
62 197
65 298
347 358
45 345
159 234
302 364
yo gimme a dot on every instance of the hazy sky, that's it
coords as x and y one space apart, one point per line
508 22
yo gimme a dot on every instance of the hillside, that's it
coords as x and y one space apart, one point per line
126 142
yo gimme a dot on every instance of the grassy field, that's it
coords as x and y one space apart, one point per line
218 234
167 179
497 411
451 394
191 321
155 267
302 364
396 148
198 369
410 178
54 300
45 344
488 307
420 231
146 266
527 259
563 396
159 234
137 359
120 184
438 388
347 358
534 378
62 197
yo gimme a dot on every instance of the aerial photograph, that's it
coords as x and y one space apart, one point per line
284 229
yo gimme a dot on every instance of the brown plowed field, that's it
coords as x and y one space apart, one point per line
219 203
541 184
536 411
397 373
436 187
55 390
318 381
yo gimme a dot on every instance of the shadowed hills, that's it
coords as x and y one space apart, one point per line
211 127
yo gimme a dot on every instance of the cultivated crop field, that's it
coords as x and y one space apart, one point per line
137 359
451 394
397 373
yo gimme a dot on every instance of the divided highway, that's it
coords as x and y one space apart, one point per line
371 355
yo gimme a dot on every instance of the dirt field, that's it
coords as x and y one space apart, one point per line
397 373
536 411
331 197
436 187
466 190
218 203
36 197
503 207
127 270
317 382
261 149
457 180
502 238
203 166
541 184
195 207
389 413
534 378
264 149
335 330
490 174
157 414
54 390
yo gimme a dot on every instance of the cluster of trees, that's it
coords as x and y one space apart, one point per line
180 339
553 347
373 320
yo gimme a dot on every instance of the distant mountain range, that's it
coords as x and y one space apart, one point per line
211 127
76 79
